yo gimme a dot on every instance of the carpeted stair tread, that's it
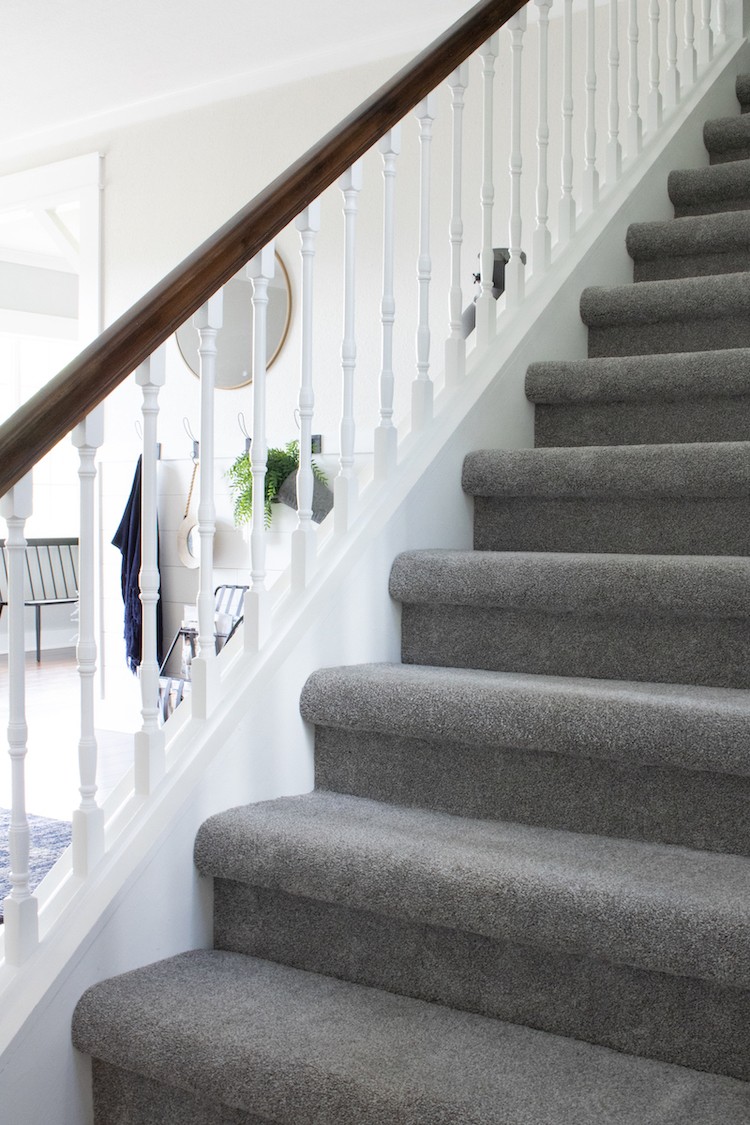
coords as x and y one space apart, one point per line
703 191
294 1048
708 469
682 586
662 499
727 138
685 726
683 314
689 246
665 909
635 400
649 378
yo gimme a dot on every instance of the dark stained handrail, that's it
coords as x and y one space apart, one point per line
66 400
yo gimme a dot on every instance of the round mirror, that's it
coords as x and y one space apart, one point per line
234 354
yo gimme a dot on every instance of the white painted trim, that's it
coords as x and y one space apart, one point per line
52 183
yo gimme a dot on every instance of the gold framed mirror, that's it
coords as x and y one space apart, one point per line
235 340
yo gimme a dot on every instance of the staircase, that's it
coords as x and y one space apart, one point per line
519 894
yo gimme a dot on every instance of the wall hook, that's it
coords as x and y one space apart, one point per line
196 443
243 431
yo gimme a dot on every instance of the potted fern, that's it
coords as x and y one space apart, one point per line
280 485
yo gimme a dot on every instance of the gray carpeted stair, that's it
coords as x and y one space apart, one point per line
690 247
520 893
632 400
547 750
684 315
706 191
727 139
247 1042
664 499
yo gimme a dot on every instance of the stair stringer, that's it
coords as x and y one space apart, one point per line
145 901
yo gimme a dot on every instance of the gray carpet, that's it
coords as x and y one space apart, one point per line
520 893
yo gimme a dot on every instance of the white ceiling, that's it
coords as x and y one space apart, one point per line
71 67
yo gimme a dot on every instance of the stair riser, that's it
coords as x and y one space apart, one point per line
686 650
695 810
660 526
642 423
669 336
728 155
675 1019
694 265
124 1098
716 205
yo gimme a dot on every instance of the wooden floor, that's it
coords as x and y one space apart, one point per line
53 718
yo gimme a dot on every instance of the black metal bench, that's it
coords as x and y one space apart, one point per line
50 578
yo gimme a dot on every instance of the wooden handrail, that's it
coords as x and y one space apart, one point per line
66 400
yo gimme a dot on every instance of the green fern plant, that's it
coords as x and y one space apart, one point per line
279 465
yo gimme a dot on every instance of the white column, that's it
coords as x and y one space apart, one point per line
672 76
614 148
514 270
303 538
486 310
590 173
208 321
567 216
88 818
20 907
345 484
421 396
705 35
455 347
654 67
690 55
542 243
149 740
386 435
260 270
635 123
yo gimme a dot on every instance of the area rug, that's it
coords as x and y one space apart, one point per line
49 839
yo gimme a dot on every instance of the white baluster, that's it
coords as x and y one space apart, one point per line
567 220
421 396
635 123
672 76
542 243
386 435
705 35
514 270
260 270
654 114
455 345
614 148
207 321
721 21
590 173
303 538
149 740
690 55
486 315
345 484
20 907
88 818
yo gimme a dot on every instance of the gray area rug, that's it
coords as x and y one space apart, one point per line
49 839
